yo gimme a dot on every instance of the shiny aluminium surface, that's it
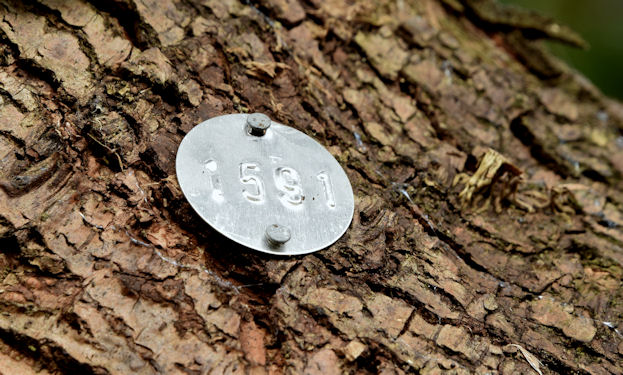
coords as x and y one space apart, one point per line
280 192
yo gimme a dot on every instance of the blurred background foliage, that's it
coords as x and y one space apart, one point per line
600 22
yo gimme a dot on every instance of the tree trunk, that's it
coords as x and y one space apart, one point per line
460 259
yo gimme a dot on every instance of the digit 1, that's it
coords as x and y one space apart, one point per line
328 188
217 190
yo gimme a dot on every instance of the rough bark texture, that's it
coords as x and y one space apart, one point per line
459 259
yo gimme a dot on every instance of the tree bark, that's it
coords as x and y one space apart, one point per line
487 235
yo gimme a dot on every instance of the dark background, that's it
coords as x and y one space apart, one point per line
600 22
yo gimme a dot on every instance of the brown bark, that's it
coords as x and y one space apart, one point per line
460 259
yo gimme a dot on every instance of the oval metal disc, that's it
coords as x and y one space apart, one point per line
278 191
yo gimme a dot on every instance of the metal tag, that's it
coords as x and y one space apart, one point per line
264 185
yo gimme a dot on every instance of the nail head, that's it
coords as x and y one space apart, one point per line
278 234
258 124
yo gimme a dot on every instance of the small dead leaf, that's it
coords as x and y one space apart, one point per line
531 358
496 179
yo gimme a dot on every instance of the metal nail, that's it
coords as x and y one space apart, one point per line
258 124
278 234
